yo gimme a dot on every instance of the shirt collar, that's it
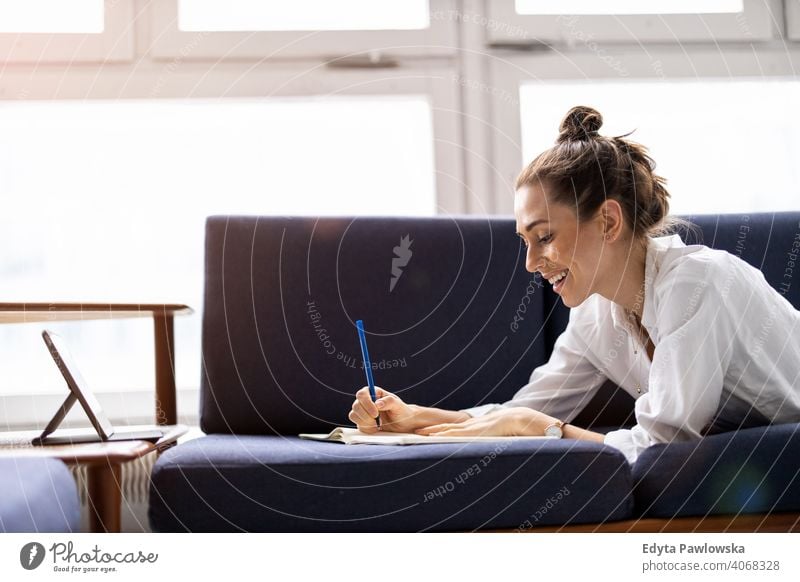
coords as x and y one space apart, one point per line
656 249
656 246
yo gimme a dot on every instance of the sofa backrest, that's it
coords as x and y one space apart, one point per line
453 319
768 241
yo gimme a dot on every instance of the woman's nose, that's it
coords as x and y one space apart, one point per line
533 261
539 261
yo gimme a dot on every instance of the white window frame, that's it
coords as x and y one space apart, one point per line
168 41
792 19
508 73
196 80
114 44
759 21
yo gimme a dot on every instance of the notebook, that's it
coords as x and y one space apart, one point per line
353 436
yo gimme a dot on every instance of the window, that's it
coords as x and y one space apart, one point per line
627 6
723 145
51 16
189 116
66 31
793 19
630 21
107 200
318 29
245 15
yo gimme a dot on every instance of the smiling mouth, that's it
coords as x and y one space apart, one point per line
558 280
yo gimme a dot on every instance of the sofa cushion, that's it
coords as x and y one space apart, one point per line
38 495
275 484
754 470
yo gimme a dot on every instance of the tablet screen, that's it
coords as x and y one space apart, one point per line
66 364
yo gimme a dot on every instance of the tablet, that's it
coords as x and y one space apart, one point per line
79 391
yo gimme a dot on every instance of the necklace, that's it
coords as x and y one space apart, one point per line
632 317
637 327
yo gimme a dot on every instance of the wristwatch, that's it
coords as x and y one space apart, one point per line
555 430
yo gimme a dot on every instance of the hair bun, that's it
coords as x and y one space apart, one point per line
581 123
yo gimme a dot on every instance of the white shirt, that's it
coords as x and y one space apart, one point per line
727 352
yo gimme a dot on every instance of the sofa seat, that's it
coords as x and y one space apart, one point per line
281 484
38 495
755 470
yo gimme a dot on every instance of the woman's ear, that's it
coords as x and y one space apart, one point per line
612 219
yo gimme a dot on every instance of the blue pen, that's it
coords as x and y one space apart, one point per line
367 366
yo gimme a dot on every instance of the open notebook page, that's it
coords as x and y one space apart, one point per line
353 436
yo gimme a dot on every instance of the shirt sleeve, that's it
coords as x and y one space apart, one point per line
564 385
688 367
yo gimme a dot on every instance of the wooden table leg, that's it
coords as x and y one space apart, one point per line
105 497
166 406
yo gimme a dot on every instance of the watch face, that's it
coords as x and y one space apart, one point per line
553 431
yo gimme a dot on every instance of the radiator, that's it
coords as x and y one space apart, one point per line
135 476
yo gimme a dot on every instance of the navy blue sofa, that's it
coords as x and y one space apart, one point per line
454 320
38 495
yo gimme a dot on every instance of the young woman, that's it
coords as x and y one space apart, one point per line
696 335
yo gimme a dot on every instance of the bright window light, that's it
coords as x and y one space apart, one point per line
106 201
628 6
53 16
275 15
723 145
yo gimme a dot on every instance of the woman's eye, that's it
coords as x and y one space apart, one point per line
546 238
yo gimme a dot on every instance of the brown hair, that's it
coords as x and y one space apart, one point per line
584 169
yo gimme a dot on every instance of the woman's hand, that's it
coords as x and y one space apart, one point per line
396 415
517 421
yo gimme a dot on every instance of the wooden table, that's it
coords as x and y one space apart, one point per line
163 315
103 466
104 460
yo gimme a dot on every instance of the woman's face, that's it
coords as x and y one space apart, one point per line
557 243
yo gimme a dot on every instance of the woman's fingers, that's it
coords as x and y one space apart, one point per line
362 414
365 400
363 423
354 418
359 417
